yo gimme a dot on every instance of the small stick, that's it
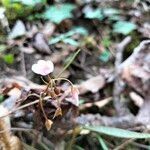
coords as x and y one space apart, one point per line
23 65
120 108
122 146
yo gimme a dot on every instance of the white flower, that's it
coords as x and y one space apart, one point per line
43 67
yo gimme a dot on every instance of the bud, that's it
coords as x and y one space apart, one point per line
58 112
52 94
48 124
57 90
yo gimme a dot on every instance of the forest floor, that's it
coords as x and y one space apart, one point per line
102 47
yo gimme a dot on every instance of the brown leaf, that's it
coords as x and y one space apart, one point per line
48 124
58 112
137 99
48 29
135 70
7 140
93 85
99 104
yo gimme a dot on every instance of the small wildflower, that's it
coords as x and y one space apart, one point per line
48 124
43 67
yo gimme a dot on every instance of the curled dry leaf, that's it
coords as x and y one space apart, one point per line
58 112
99 104
74 96
137 99
48 124
93 85
7 140
40 43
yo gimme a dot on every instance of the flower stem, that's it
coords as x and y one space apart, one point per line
41 105
65 80
73 57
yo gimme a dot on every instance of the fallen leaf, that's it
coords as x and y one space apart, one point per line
27 50
99 104
93 85
62 11
135 69
137 99
18 30
48 124
40 43
58 112
48 29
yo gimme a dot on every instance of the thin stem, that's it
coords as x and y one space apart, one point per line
41 105
75 132
64 79
24 106
44 80
73 57
49 83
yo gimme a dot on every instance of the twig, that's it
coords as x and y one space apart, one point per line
122 146
23 66
127 121
141 145
120 109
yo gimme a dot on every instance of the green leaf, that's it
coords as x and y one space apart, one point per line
116 132
57 13
81 101
1 98
106 42
103 144
9 58
77 147
71 42
28 2
115 18
80 30
105 55
55 40
94 14
124 27
110 11
66 37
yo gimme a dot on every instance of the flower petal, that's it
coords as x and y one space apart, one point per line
35 69
43 67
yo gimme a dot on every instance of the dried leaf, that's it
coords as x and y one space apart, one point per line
58 112
99 104
41 44
48 124
18 30
7 140
93 85
137 99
